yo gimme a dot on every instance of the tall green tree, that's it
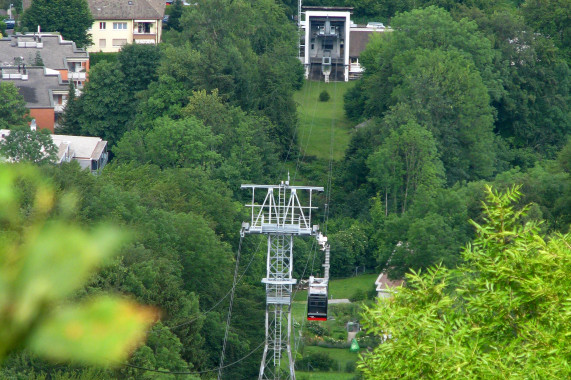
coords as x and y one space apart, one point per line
170 144
502 314
71 18
550 18
429 29
407 160
533 112
26 145
105 107
13 111
446 94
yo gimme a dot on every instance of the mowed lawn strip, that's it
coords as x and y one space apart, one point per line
319 120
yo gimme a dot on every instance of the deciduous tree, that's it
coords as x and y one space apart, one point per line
500 315
71 18
26 145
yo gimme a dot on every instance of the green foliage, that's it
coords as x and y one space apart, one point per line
38 61
235 47
170 144
26 145
2 28
174 12
71 18
104 107
406 161
499 315
96 57
438 73
324 96
44 259
351 249
13 111
550 18
108 103
317 361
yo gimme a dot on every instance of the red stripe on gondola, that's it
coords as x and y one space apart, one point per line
316 319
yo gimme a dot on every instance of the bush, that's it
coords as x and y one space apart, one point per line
359 295
315 361
350 367
316 329
324 96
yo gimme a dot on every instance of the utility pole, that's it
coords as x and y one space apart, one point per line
279 213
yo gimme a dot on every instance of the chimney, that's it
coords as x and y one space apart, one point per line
33 125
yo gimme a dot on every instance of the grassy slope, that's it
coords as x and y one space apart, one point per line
318 120
319 124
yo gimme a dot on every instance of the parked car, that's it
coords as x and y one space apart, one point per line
10 23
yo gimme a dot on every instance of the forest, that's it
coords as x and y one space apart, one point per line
463 104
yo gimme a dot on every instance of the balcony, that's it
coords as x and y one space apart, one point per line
76 75
144 38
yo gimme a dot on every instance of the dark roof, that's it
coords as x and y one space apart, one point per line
127 9
358 41
54 53
329 9
37 89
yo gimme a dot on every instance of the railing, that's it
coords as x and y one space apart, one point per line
30 44
76 75
15 76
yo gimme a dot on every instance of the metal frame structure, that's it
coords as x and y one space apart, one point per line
281 216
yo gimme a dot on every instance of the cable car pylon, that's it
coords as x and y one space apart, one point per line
279 213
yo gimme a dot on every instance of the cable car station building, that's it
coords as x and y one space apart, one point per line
326 49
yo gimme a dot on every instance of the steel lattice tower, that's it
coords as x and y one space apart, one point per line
281 216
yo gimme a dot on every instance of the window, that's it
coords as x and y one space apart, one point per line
119 41
120 26
102 43
327 45
102 25
144 27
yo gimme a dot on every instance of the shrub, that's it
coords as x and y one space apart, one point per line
324 96
316 329
359 295
350 367
315 361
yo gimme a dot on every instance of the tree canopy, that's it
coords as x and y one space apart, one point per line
71 18
501 314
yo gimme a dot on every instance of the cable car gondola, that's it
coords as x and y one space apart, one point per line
317 291
317 300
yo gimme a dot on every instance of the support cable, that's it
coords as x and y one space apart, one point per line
196 372
221 299
233 292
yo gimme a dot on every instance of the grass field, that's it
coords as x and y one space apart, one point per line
323 122
341 355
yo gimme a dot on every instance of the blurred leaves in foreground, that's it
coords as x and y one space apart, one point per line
44 258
